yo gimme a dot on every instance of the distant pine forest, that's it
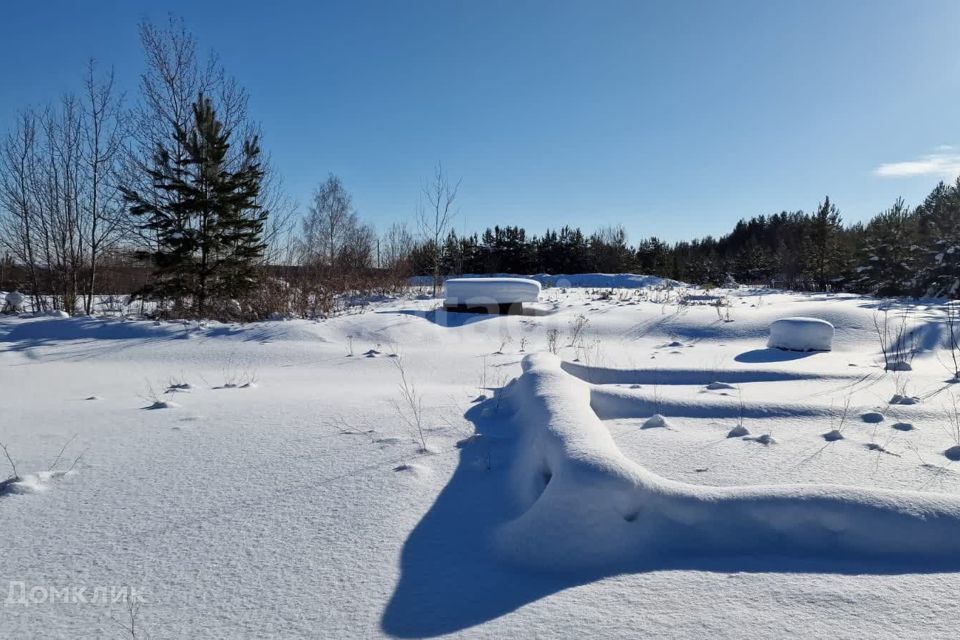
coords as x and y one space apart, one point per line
901 251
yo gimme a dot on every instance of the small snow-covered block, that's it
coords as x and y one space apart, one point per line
489 293
801 334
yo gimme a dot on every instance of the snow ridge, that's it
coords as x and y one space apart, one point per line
585 505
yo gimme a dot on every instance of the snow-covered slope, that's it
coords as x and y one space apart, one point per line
281 489
586 504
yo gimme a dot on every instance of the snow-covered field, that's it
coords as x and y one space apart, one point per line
269 480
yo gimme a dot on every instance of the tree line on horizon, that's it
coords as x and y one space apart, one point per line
901 251
171 198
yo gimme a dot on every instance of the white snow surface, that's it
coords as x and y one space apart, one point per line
287 494
490 290
801 334
585 504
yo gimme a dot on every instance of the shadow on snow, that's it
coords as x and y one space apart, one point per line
757 356
451 580
40 332
454 319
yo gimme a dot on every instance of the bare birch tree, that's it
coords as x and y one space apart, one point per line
397 246
18 213
435 217
329 224
103 142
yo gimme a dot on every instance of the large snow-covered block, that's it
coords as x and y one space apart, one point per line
489 294
801 334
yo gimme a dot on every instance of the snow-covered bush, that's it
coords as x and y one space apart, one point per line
952 313
13 302
897 341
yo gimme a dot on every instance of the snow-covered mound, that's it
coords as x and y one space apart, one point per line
573 280
603 280
584 504
31 482
801 334
479 291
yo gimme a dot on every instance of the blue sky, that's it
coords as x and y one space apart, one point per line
672 118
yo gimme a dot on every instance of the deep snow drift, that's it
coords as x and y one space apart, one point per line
586 504
377 474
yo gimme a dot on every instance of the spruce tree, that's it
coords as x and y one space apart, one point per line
886 265
939 222
752 263
824 255
210 232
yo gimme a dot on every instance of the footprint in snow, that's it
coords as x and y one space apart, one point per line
468 440
717 386
656 421
415 470
879 448
161 404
